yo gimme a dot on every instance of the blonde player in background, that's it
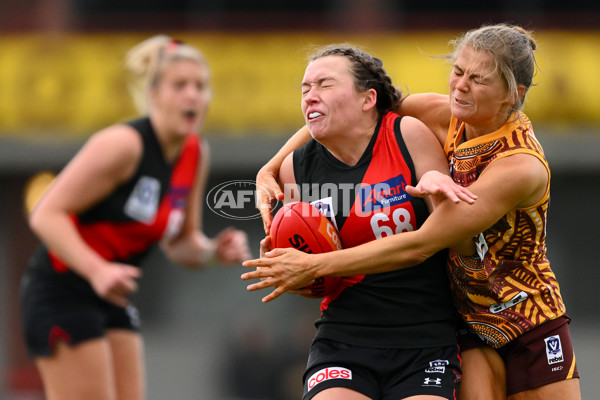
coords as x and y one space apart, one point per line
516 338
132 186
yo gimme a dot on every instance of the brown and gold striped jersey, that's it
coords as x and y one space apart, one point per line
507 288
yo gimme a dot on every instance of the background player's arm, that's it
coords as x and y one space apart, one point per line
191 247
109 158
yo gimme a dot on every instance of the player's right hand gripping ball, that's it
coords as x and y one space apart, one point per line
300 225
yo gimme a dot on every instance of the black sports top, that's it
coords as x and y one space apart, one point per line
407 308
148 207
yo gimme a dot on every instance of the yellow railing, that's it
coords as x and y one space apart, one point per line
74 84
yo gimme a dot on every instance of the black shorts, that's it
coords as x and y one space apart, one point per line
539 357
65 307
382 373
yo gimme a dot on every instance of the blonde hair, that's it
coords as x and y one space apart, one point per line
511 49
146 62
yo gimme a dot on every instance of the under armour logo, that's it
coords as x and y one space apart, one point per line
430 381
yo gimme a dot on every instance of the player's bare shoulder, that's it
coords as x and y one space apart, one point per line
432 109
421 104
415 132
119 148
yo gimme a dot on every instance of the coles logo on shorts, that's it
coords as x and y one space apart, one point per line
328 373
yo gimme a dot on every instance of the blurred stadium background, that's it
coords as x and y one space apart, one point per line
208 338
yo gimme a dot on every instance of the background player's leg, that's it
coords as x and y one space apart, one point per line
127 356
83 371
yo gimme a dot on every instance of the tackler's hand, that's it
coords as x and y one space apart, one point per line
283 269
268 191
441 186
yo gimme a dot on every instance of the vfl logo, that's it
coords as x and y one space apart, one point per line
142 203
384 194
325 207
327 374
554 350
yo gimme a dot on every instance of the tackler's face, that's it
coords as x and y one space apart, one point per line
182 96
478 94
330 103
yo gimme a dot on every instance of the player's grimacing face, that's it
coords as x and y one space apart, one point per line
183 95
329 103
478 95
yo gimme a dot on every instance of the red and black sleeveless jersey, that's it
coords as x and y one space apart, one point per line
408 308
151 205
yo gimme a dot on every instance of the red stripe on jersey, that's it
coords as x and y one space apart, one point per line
122 240
387 165
363 225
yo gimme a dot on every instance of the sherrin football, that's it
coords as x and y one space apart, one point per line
300 225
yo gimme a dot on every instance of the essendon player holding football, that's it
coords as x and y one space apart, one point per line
389 335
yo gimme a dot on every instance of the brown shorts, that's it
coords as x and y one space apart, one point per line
539 357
